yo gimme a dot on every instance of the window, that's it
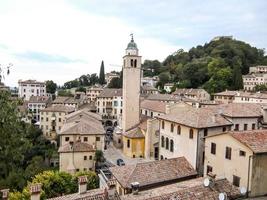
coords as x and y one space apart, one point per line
209 169
205 132
191 133
84 169
171 145
146 112
224 129
128 143
162 141
236 181
47 119
167 143
135 63
242 153
151 114
253 126
172 127
213 148
59 119
161 157
67 139
97 138
85 158
90 157
245 127
236 127
162 124
85 139
228 152
178 130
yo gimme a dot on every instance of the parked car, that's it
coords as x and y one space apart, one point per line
120 162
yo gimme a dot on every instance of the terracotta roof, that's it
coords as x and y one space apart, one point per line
39 99
134 133
227 93
191 91
256 140
196 117
154 172
193 189
108 92
240 109
148 88
59 108
157 106
77 147
80 113
95 194
31 82
62 100
168 97
83 126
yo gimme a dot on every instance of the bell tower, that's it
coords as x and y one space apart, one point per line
131 86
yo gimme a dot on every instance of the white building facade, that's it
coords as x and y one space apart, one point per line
30 88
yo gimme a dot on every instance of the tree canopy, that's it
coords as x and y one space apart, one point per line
23 149
51 87
55 183
215 66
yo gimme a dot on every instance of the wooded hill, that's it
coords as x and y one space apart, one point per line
215 66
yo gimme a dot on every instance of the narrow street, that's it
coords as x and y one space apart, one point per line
112 154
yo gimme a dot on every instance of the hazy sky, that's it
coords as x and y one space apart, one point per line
62 39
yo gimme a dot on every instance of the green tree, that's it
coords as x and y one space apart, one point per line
13 141
237 75
102 74
81 89
55 183
65 93
93 79
115 83
260 88
51 87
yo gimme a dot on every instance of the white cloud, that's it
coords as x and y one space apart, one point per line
57 28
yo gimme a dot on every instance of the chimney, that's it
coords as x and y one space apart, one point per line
5 194
82 180
211 178
35 190
135 188
264 114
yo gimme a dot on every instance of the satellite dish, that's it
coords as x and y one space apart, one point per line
222 196
206 182
243 190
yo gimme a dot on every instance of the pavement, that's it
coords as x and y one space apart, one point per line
112 154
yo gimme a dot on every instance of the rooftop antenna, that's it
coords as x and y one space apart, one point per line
206 182
243 190
222 196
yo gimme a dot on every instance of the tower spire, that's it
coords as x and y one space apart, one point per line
132 40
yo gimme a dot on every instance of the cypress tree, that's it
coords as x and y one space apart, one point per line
102 74
237 75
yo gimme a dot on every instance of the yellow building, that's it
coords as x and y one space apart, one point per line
240 157
134 143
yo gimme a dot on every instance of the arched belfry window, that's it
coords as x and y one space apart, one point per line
132 63
135 63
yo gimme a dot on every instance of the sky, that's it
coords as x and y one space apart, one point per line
61 40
